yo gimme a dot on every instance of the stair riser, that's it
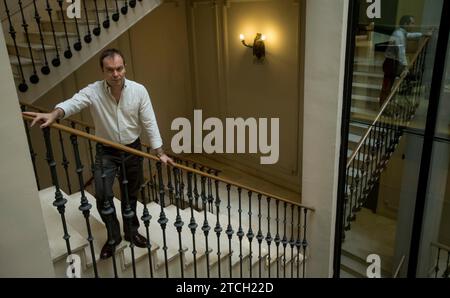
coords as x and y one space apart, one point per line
92 15
38 54
48 39
368 68
70 26
365 104
372 92
358 130
368 80
27 70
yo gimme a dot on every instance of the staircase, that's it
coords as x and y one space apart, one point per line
76 227
197 223
45 46
375 131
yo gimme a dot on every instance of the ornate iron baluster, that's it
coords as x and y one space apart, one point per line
169 184
240 233
44 69
146 217
30 146
268 237
298 243
292 241
346 203
205 227
65 162
59 201
349 217
446 273
284 241
97 29
68 52
250 234
182 200
34 79
22 86
85 207
210 196
106 21
259 236
116 15
91 157
218 228
162 216
196 194
88 37
192 224
124 9
108 210
229 231
277 239
304 242
178 222
128 213
150 184
436 268
133 3
77 45
55 61
359 194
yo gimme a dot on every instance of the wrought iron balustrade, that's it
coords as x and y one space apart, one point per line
228 235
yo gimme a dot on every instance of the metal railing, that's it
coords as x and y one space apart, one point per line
236 222
84 126
378 143
441 268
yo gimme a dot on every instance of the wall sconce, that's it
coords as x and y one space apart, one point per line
259 49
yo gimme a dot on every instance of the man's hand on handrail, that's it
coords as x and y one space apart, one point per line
45 118
165 159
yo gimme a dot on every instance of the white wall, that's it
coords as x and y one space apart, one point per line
24 250
325 45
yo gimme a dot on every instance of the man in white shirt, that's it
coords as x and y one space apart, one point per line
121 109
396 60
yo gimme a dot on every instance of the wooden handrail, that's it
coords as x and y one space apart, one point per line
399 267
386 103
155 158
85 124
441 246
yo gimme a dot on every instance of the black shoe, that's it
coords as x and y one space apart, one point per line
107 250
138 240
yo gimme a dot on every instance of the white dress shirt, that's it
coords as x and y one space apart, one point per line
121 122
397 45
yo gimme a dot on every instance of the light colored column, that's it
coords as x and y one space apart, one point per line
325 45
24 248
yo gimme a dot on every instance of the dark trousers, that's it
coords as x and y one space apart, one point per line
392 69
112 167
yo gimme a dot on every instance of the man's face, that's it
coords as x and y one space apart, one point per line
411 25
113 70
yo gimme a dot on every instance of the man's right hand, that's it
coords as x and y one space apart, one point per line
45 118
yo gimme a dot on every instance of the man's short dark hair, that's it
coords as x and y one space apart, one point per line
110 53
405 20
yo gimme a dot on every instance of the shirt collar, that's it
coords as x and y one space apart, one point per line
108 88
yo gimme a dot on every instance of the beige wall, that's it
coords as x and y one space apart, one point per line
227 82
414 8
325 45
188 55
24 250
